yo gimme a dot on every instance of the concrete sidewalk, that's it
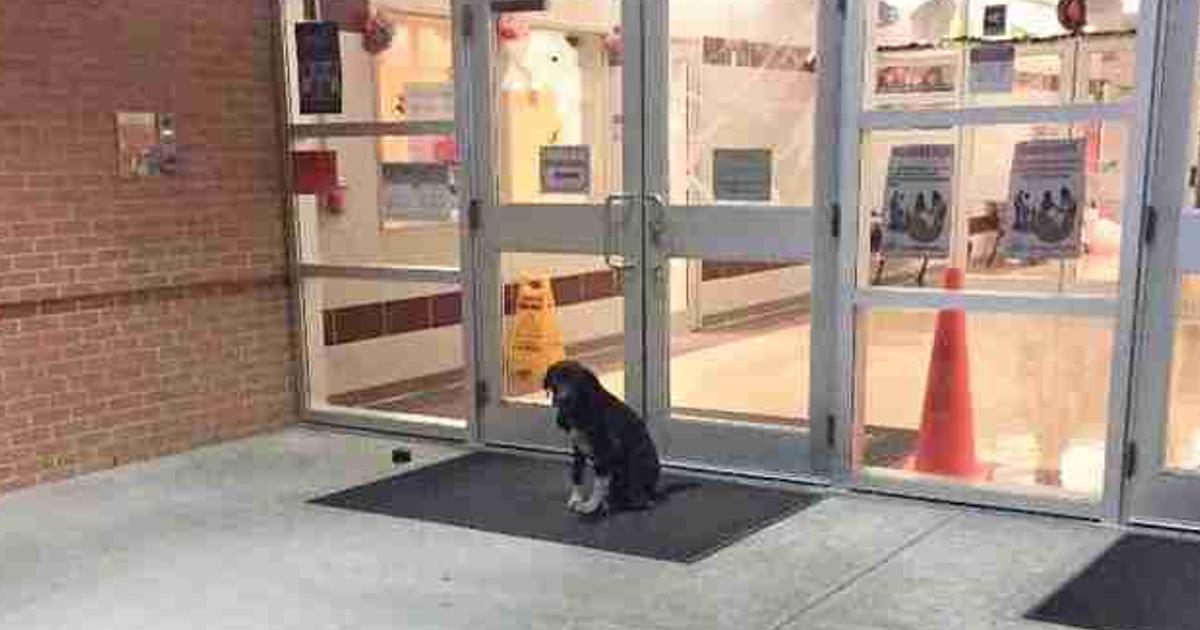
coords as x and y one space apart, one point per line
221 538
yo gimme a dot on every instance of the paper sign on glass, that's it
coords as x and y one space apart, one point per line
917 200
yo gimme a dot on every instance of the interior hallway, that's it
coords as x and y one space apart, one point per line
222 538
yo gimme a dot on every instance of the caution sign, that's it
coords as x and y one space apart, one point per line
534 339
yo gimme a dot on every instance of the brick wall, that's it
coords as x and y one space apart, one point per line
137 317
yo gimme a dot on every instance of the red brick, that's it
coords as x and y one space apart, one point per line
103 357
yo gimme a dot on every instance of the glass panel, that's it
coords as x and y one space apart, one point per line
397 205
953 53
557 79
1183 432
743 96
739 342
410 78
1036 391
386 346
1002 252
1182 448
560 306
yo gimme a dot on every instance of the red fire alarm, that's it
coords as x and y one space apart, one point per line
1072 15
314 172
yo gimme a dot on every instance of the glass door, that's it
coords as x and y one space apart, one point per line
378 234
1164 441
992 164
557 210
649 209
738 211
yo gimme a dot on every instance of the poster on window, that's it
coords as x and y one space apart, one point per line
992 69
934 76
917 200
1046 194
418 192
319 67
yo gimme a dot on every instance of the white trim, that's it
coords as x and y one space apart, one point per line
894 482
986 302
400 273
739 233
388 422
355 129
978 116
557 228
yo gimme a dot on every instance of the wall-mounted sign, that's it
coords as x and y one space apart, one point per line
992 69
418 192
995 20
427 101
1046 197
917 200
145 144
517 6
742 174
319 67
566 169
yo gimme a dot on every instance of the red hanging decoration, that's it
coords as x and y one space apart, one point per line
377 35
445 150
1072 15
613 46
510 29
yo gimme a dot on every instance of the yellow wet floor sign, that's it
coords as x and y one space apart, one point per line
534 340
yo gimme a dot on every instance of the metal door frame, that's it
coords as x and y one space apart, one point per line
1155 495
854 121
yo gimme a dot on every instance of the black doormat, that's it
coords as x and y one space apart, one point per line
526 496
1140 583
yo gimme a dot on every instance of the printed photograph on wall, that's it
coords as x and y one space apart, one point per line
1046 197
917 200
319 61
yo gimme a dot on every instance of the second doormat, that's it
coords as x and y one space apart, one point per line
1140 583
526 496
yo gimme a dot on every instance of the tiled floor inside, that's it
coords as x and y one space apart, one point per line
222 538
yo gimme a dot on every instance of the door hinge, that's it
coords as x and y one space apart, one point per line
830 431
468 22
835 225
1131 457
1193 177
481 394
1151 224
474 215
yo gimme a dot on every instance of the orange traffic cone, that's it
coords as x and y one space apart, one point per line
946 443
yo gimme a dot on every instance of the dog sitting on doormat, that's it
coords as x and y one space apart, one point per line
610 437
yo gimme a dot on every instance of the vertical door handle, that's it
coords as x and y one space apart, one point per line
658 220
610 203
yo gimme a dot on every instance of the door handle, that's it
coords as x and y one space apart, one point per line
658 221
610 203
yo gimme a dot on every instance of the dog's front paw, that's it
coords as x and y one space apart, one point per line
592 508
575 500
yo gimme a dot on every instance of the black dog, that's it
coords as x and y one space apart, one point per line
610 436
